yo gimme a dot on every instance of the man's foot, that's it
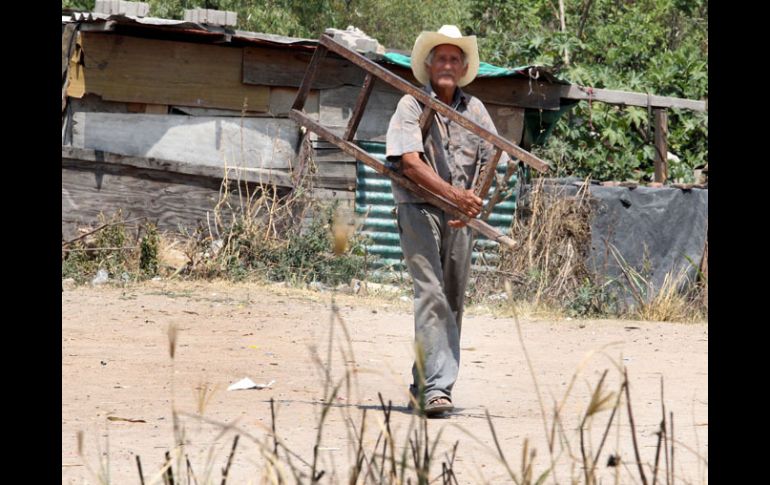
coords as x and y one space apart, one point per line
438 405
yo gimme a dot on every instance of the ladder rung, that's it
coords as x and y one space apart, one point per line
358 111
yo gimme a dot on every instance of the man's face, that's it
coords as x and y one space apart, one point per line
447 66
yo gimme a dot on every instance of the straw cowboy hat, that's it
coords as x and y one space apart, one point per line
447 34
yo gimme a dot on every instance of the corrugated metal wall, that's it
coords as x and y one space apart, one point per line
374 202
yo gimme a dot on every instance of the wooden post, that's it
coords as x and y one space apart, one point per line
704 269
661 145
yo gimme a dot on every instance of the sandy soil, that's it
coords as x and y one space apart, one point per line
116 364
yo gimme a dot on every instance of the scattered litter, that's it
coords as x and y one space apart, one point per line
356 286
101 277
128 420
247 383
317 286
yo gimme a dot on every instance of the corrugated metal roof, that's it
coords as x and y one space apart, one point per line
110 21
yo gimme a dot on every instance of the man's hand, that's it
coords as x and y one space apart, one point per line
415 169
467 201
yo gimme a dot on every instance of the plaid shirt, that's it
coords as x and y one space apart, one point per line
454 153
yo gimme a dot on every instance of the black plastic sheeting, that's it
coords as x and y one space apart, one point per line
655 230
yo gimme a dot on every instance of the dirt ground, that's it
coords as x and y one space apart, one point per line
116 364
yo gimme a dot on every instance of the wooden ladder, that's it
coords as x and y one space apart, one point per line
432 106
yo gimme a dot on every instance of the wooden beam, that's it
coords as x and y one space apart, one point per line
68 37
253 175
661 145
309 78
516 92
358 111
627 98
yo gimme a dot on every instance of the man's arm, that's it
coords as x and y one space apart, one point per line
415 169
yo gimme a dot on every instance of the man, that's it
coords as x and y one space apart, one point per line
436 246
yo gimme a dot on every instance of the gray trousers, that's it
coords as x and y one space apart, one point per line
439 259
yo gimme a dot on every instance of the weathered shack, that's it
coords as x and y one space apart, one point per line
154 110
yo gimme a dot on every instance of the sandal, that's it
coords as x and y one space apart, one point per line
438 405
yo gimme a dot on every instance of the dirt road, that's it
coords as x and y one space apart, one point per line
116 364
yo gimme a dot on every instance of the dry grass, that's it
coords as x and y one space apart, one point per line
677 299
547 266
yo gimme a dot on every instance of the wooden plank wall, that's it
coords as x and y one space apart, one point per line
137 70
283 67
169 199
